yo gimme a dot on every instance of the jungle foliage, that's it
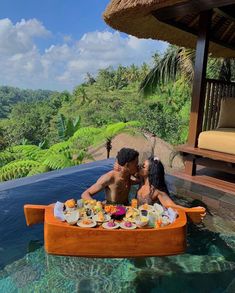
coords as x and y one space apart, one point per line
44 130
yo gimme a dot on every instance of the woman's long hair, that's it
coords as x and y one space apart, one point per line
157 175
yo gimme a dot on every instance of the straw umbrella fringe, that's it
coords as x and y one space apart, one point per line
135 17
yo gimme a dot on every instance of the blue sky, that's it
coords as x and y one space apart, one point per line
53 43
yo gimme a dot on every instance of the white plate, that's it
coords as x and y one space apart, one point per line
72 217
80 224
158 208
128 228
105 226
106 218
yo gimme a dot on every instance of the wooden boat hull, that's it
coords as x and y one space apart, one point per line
63 239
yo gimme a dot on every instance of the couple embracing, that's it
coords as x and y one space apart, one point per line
150 176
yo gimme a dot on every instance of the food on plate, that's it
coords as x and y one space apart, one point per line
87 221
165 221
146 207
142 221
110 209
89 212
72 217
128 224
119 213
131 212
70 203
100 217
111 224
98 207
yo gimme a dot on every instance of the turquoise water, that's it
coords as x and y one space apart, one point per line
207 266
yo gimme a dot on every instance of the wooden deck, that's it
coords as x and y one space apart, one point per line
219 181
185 149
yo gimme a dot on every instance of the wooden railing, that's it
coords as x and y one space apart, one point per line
215 91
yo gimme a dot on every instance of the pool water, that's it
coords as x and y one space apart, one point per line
207 266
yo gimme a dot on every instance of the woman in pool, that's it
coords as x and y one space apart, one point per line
153 189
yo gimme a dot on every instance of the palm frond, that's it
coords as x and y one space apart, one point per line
6 157
17 169
23 152
60 147
38 170
177 60
109 132
57 161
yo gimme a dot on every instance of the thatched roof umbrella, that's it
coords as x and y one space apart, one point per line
175 21
208 25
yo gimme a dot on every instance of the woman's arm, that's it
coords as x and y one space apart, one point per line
196 214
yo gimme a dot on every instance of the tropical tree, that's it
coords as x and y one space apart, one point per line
90 79
177 61
67 127
80 94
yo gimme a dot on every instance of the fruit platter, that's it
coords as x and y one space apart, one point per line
93 229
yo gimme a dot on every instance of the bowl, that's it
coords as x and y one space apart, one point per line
119 214
143 221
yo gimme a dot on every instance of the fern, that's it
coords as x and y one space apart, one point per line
112 130
17 169
85 132
6 157
58 161
25 152
38 170
60 147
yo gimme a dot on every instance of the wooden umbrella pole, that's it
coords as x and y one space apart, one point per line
199 85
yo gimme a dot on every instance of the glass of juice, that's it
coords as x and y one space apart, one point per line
134 203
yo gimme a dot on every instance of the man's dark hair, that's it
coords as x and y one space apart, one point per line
126 155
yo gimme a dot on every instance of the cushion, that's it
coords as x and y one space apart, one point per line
227 113
220 140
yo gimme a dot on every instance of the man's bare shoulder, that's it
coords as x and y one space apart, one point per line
107 177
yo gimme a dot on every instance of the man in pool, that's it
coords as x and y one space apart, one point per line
117 184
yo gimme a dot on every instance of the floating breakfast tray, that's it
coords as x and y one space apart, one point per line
62 239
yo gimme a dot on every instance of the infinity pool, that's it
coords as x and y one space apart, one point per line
207 266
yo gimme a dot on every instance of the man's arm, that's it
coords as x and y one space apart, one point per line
101 183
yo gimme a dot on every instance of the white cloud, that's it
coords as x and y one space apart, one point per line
64 66
19 38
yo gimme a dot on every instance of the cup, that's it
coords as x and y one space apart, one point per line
134 203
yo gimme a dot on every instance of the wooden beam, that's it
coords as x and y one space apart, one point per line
227 30
193 31
189 7
225 14
199 84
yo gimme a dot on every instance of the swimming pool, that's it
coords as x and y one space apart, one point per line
207 266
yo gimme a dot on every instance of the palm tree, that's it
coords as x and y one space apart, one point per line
80 93
90 79
179 62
